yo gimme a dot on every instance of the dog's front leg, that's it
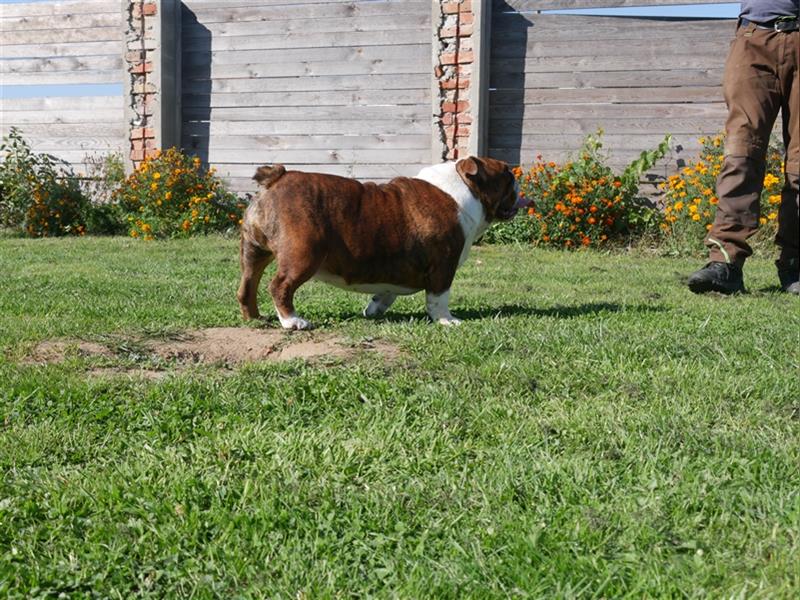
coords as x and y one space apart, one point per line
438 311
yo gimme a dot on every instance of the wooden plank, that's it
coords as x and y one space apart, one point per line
309 84
644 95
534 5
65 64
58 144
386 127
93 129
416 53
258 12
590 63
304 69
505 128
516 28
322 157
308 142
67 21
56 103
22 118
611 79
365 171
86 7
65 49
654 110
309 113
343 98
58 36
311 40
60 78
655 49
399 22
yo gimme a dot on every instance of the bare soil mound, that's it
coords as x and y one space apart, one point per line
225 346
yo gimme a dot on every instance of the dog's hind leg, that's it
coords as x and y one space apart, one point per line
379 304
295 267
253 260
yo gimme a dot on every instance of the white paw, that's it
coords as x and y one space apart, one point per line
295 323
449 321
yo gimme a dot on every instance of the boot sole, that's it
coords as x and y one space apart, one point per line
703 287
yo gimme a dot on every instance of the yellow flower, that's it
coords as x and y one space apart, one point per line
154 186
156 175
168 196
762 220
708 227
770 180
678 205
775 199
772 216
695 217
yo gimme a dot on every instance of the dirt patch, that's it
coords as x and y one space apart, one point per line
225 346
56 351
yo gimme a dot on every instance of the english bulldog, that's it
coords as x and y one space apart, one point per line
391 239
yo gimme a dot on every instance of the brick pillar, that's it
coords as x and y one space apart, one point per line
152 76
460 57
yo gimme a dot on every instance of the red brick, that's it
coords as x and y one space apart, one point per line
455 107
451 32
466 57
138 133
451 8
466 18
140 68
452 84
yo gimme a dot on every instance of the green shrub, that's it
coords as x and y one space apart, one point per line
38 194
690 200
172 195
581 203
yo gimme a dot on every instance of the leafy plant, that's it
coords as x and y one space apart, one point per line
173 195
690 200
38 193
582 203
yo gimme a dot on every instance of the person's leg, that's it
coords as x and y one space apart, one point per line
753 96
788 237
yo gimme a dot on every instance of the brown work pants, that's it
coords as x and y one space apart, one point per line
761 80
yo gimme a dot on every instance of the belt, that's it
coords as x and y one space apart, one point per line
784 25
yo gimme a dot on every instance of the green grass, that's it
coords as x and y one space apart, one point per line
591 430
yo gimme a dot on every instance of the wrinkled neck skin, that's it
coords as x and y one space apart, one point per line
471 214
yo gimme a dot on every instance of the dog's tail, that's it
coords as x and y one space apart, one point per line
267 175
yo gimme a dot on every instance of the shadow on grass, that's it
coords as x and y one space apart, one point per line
513 310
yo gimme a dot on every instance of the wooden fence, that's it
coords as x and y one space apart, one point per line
557 77
63 43
350 86
341 87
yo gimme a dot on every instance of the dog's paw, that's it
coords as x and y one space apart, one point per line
449 321
295 323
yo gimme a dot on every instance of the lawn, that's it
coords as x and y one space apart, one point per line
591 430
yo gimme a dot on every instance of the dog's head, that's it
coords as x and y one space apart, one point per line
493 183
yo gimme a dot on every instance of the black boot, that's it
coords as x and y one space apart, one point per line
717 277
789 275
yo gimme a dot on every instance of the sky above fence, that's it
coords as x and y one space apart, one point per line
727 10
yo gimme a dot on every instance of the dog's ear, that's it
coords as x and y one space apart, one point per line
468 167
267 175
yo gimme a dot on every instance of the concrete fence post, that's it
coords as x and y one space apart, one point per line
151 89
460 78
